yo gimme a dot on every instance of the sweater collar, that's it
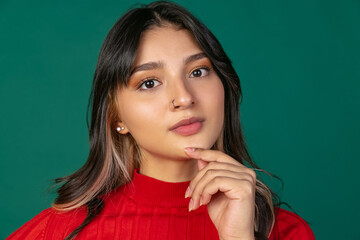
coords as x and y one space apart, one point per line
154 192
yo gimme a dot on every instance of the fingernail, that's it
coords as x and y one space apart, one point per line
187 193
191 205
189 149
200 201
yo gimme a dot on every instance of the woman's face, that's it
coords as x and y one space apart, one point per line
172 80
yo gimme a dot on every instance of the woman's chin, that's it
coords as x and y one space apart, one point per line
196 146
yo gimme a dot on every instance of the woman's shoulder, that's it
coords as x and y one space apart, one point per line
34 227
54 224
289 225
48 220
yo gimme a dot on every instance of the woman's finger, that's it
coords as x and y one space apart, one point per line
200 196
213 166
210 155
216 160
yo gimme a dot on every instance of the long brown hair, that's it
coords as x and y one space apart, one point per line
114 156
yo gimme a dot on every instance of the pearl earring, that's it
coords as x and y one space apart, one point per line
120 128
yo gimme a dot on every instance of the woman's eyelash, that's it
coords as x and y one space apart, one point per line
199 68
142 82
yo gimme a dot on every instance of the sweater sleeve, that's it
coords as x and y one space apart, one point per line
288 226
33 229
50 224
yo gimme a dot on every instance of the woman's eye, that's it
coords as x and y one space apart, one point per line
147 84
200 72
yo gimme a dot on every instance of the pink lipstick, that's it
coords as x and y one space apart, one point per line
188 126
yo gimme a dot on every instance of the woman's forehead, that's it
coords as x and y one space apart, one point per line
161 43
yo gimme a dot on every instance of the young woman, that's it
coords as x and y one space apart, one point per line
168 159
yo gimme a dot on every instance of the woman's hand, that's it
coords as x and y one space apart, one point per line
228 189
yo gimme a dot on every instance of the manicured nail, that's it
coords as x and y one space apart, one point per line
189 149
200 201
187 193
191 204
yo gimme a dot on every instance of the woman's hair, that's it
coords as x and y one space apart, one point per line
113 156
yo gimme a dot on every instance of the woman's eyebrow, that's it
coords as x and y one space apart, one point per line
194 57
157 65
147 66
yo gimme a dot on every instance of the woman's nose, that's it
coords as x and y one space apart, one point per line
181 96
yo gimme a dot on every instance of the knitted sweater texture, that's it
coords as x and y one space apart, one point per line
150 209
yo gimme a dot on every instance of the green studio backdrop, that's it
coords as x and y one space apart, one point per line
299 66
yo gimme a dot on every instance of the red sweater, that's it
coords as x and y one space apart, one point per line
147 209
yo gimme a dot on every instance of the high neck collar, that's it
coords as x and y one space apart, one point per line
154 192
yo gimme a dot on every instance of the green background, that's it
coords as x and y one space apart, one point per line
298 62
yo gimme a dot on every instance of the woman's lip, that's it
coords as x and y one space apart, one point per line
186 121
188 129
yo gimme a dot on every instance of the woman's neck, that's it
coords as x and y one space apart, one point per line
166 170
